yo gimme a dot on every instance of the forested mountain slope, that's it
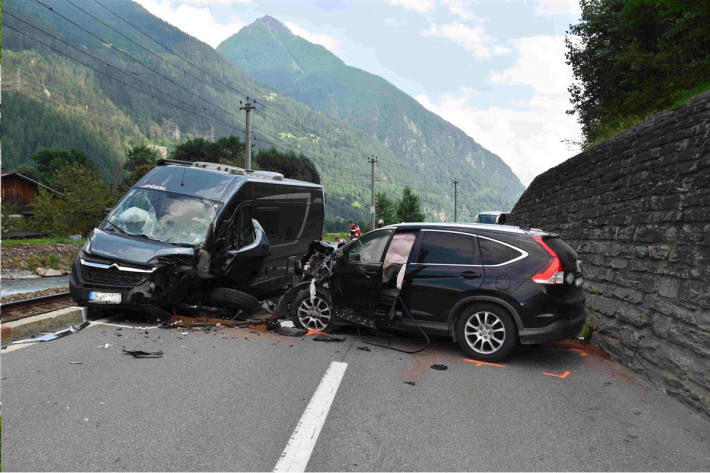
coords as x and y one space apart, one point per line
118 88
313 75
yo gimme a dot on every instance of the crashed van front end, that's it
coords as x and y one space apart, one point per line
110 271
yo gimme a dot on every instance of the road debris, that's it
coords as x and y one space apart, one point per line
104 346
364 348
328 338
143 354
76 362
411 383
291 331
439 367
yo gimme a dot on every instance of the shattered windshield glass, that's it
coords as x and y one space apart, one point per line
163 216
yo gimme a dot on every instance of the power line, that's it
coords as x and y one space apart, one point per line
191 109
168 49
103 41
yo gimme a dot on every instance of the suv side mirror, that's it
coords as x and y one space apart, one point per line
106 212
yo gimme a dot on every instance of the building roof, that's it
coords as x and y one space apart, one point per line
30 180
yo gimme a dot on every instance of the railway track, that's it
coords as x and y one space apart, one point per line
16 310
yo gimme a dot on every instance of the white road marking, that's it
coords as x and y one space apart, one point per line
300 446
106 321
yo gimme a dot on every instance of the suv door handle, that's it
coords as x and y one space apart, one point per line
470 275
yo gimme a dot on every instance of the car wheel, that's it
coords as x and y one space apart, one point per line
486 332
312 315
233 299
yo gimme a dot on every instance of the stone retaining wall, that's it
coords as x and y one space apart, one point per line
637 209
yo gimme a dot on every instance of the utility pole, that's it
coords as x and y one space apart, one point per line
455 181
372 162
248 107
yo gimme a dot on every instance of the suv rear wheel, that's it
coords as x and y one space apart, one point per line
486 332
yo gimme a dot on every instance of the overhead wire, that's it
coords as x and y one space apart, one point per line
126 54
190 109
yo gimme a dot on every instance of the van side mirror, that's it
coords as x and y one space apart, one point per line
106 212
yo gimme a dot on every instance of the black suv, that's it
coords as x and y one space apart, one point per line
489 287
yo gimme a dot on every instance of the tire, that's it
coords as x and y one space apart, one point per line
486 332
233 299
313 316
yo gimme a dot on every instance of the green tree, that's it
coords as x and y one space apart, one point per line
81 207
49 161
29 172
288 164
198 149
631 58
232 151
139 156
385 208
408 207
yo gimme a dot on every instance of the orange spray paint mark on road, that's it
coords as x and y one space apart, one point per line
581 352
311 332
481 363
563 375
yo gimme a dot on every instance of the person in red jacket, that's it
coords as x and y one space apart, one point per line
354 230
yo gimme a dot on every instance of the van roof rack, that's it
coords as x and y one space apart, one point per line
276 176
219 167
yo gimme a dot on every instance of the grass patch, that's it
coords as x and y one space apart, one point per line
684 95
40 241
334 236
49 262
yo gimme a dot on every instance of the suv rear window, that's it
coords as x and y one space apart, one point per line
495 253
447 248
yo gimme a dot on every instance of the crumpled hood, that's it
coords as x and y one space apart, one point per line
132 250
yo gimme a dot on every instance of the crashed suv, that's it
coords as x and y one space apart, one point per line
194 234
489 287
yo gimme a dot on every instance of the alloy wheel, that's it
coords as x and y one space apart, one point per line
484 332
314 315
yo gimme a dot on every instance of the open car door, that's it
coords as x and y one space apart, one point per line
357 277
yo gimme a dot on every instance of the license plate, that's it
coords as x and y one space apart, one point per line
105 297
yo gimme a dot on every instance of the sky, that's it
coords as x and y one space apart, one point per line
493 68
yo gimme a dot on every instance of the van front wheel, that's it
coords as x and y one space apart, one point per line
233 299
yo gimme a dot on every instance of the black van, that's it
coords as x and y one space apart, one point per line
198 234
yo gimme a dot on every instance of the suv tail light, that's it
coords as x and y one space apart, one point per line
552 272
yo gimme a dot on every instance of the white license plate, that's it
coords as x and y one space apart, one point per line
105 297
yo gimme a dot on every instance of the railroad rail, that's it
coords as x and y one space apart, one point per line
27 307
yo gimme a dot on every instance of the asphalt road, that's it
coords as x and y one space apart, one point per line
230 399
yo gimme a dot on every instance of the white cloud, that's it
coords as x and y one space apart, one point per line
528 135
420 6
554 7
396 22
330 43
473 38
213 2
456 7
195 21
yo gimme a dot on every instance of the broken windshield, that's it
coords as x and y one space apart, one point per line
163 216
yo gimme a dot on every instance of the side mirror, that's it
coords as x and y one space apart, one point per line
106 212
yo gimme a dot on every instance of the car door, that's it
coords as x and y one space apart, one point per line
444 267
357 273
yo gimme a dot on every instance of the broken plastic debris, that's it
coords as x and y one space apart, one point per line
291 331
364 348
439 367
328 338
183 333
105 345
76 362
411 383
143 354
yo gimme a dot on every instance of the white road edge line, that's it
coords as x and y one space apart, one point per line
106 321
300 446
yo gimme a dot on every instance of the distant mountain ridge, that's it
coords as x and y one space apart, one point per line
273 55
102 106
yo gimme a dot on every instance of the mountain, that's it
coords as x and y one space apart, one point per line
80 75
436 149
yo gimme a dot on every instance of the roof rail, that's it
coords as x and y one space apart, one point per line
219 167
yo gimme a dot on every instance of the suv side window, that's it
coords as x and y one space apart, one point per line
497 253
370 247
444 247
